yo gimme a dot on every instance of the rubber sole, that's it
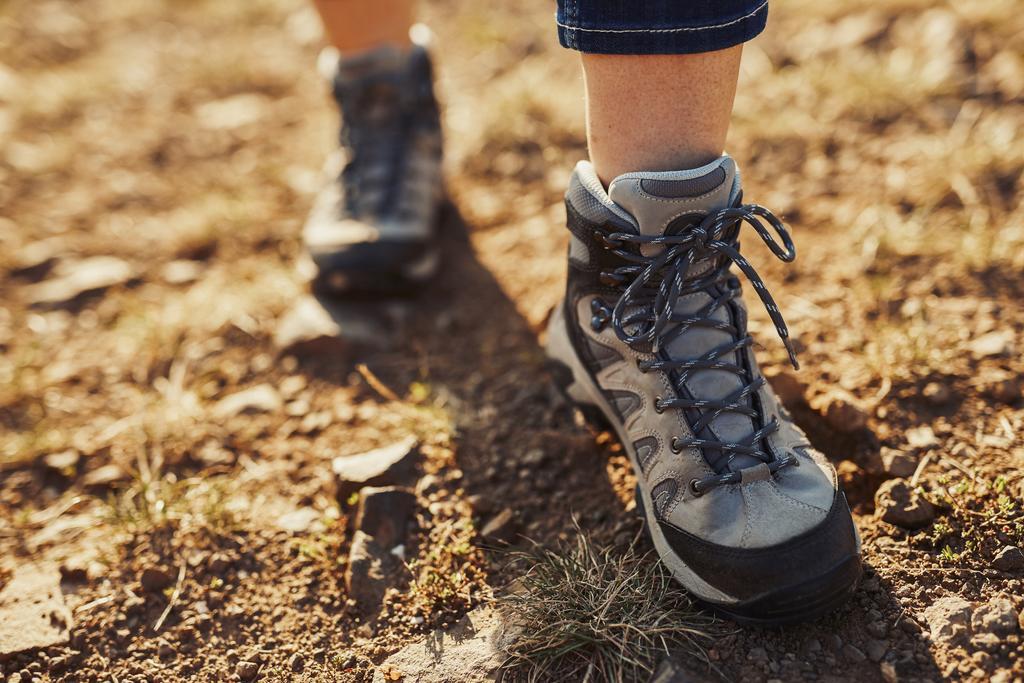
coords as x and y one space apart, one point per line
790 604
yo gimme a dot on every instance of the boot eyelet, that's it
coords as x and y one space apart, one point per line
674 446
694 491
640 367
658 408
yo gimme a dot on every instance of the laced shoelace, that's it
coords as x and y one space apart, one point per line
646 308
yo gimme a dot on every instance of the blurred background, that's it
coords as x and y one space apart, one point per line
174 405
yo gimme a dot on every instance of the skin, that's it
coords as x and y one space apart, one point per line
357 25
658 112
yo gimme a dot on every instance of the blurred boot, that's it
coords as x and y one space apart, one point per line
373 228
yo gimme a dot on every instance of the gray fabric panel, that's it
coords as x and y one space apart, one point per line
578 251
645 450
602 355
675 189
663 494
625 402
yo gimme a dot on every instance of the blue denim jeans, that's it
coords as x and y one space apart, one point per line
646 27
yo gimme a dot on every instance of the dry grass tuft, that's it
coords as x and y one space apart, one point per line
594 613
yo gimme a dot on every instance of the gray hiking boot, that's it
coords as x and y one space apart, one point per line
374 226
652 337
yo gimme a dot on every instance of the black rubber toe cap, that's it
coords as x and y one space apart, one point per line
793 581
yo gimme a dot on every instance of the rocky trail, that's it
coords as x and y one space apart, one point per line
206 473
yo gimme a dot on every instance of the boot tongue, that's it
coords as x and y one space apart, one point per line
655 200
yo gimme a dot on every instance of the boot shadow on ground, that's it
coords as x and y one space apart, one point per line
521 448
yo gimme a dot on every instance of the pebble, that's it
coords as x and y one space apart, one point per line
876 650
897 503
296 663
369 572
64 460
936 393
386 466
948 619
1003 390
247 670
1009 559
922 437
996 616
853 654
154 579
898 464
384 513
997 343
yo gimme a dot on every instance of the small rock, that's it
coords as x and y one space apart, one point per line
299 521
292 385
469 652
261 398
165 651
898 464
936 393
922 437
1003 390
64 460
247 670
853 654
181 272
380 467
501 527
843 415
297 663
73 279
996 616
369 571
317 327
877 629
154 579
876 650
384 513
997 343
948 619
897 503
1009 559
32 610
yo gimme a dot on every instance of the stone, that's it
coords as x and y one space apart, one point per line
472 651
384 513
501 527
1003 390
843 415
898 464
995 616
77 278
316 326
876 650
1009 559
369 572
32 610
261 398
297 663
247 670
897 503
948 619
300 521
181 272
62 461
996 343
937 393
853 654
386 466
155 579
922 437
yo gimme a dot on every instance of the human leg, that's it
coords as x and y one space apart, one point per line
652 334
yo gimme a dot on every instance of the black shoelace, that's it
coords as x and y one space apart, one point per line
644 318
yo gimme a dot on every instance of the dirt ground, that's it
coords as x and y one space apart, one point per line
181 142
